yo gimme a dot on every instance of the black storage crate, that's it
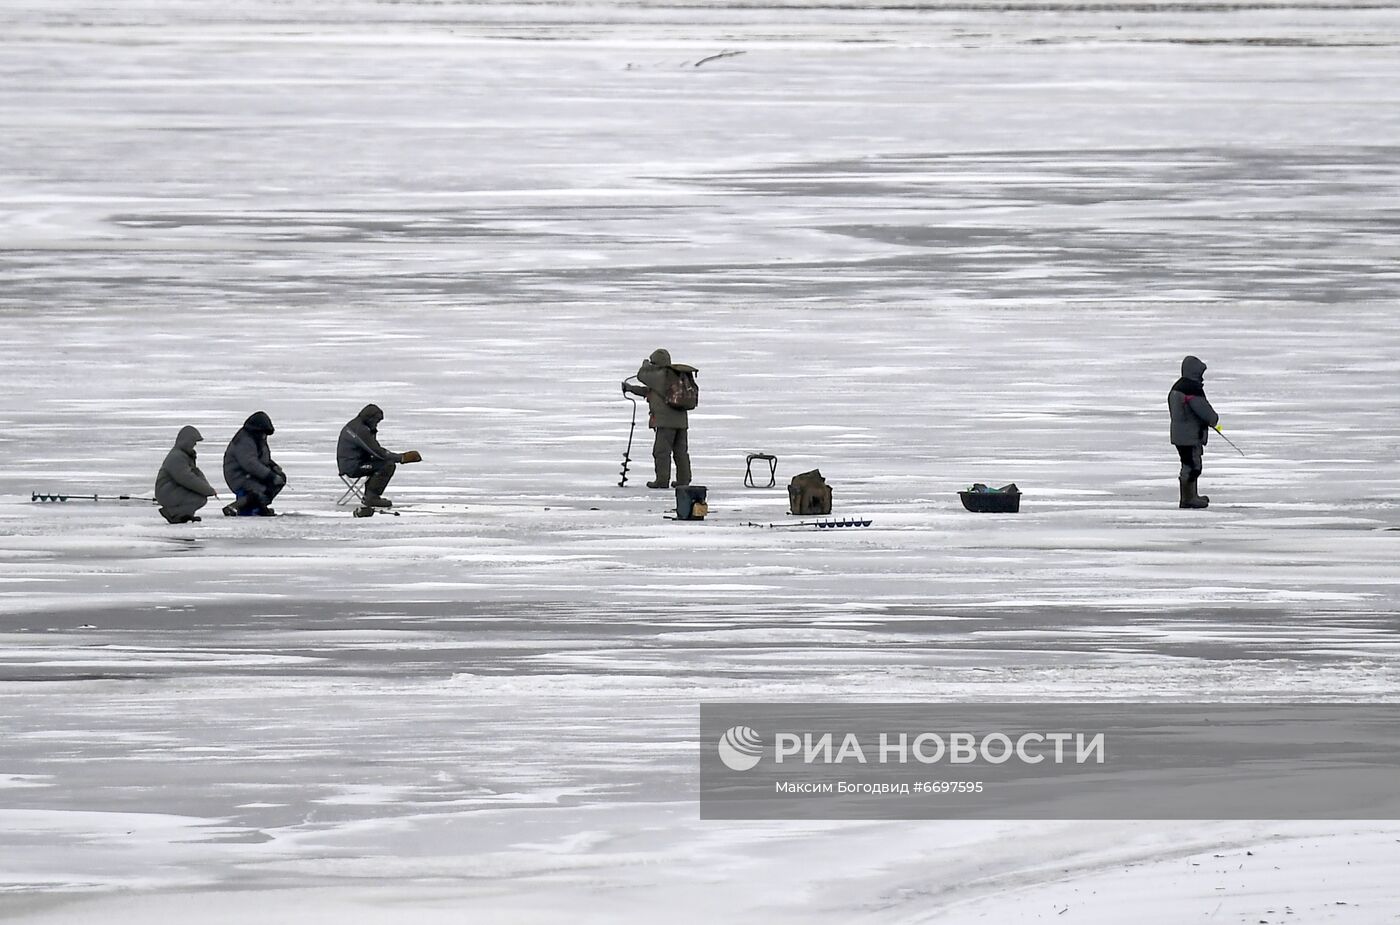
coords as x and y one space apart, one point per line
1005 500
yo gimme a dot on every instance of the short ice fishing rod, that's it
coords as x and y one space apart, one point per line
39 496
1227 439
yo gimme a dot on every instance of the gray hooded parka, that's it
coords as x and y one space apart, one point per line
181 489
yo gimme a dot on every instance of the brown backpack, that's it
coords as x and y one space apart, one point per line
808 493
682 391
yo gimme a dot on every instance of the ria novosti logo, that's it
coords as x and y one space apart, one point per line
740 748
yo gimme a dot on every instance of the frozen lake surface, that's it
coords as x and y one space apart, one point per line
915 246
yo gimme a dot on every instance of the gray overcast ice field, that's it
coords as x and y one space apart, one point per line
916 246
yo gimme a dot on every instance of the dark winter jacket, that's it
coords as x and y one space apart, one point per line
1192 415
359 443
653 374
180 487
248 461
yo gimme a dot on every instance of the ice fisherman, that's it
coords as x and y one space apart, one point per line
358 454
1192 419
181 489
670 391
252 476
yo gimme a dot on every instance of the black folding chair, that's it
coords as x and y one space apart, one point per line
772 462
354 489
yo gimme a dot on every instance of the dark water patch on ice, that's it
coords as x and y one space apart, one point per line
1277 42
311 639
317 227
1171 173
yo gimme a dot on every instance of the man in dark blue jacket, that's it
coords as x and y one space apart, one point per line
1192 419
249 470
358 454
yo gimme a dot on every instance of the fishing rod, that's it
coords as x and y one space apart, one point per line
1227 439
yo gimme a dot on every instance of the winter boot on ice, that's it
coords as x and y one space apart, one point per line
375 485
1189 498
657 485
243 505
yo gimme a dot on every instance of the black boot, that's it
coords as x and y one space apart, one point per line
1189 498
375 485
663 470
244 506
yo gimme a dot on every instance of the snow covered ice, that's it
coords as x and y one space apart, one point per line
916 246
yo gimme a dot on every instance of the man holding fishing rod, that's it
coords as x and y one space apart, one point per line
1192 420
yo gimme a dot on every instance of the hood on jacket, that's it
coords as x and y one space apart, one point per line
259 423
1193 368
371 415
660 357
189 435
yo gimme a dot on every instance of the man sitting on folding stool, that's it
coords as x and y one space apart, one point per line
359 455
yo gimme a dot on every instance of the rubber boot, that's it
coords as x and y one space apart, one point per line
244 505
681 450
1189 498
259 503
663 471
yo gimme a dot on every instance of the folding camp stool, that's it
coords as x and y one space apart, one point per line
772 462
354 488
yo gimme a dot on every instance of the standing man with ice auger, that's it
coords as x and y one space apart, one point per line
249 470
181 489
358 454
671 392
1192 418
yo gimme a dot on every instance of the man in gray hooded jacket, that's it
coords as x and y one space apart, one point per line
672 425
249 470
181 489
358 454
1192 418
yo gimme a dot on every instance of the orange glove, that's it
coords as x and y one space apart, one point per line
412 456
